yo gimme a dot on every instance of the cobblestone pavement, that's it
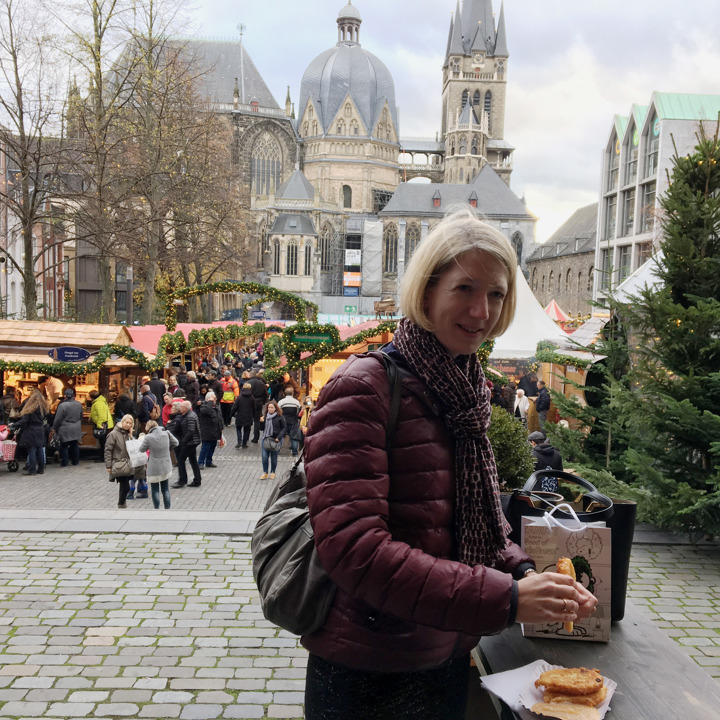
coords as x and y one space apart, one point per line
111 625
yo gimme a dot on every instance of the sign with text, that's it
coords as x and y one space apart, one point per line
313 338
67 353
353 257
351 291
352 279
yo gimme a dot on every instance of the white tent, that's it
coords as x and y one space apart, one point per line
645 277
530 326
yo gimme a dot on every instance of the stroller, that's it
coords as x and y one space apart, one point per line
8 446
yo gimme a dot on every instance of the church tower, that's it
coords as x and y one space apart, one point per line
473 95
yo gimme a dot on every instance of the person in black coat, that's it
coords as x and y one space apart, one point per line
260 393
31 425
192 388
274 428
186 428
243 410
124 405
546 458
211 427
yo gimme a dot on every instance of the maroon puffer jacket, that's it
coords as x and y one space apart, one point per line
403 602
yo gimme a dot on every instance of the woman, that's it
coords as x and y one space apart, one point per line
415 538
211 427
117 460
521 406
31 425
102 420
243 411
167 406
125 405
272 424
158 442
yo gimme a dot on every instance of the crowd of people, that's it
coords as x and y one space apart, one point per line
176 421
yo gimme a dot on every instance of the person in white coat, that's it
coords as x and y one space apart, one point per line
521 406
159 468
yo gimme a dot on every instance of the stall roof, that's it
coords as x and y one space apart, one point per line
27 335
146 337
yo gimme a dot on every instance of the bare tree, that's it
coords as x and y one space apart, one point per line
30 112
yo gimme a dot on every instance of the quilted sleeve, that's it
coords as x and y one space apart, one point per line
348 487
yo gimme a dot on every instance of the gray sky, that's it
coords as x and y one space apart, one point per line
573 66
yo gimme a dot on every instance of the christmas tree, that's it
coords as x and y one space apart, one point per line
671 407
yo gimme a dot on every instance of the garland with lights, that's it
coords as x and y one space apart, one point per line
301 308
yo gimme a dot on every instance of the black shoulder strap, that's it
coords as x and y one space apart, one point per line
393 374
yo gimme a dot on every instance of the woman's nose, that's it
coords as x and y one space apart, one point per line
479 307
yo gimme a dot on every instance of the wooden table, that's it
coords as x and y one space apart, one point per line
656 681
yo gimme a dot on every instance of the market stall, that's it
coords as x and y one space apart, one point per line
46 355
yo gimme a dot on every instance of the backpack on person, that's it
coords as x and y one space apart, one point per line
295 592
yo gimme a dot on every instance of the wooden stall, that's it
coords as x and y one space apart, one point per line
36 342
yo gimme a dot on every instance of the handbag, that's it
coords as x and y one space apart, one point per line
270 444
295 591
100 432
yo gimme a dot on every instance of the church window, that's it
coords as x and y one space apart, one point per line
567 281
474 146
305 128
559 281
291 259
551 281
341 128
488 108
579 285
315 127
325 238
390 248
387 132
463 145
353 127
347 196
412 238
534 279
310 112
266 164
542 284
264 244
276 257
452 149
348 110
590 279
308 258
476 97
456 66
465 96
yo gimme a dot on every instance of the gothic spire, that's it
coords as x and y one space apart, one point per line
501 49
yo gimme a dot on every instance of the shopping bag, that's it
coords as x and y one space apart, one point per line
137 458
588 545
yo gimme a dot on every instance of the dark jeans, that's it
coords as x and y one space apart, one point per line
243 434
207 450
226 409
70 450
187 452
123 487
336 692
256 429
162 487
272 457
36 459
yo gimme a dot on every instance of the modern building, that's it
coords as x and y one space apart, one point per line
561 269
636 162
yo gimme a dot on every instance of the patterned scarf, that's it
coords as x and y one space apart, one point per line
459 385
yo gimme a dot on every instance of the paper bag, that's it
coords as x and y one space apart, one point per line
588 545
137 458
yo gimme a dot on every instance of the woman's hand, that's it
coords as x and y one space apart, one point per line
551 597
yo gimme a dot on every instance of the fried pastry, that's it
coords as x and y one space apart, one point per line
571 681
566 711
592 699
565 567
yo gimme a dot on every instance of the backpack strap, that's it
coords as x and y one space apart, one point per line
393 375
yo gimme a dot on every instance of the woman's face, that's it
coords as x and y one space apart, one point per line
465 304
127 424
271 408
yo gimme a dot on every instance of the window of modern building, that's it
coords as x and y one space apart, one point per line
308 258
347 196
291 258
613 163
631 155
604 269
412 238
624 260
643 252
610 216
325 238
647 217
652 147
276 257
628 222
266 164
390 248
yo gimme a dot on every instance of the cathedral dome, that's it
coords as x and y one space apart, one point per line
348 69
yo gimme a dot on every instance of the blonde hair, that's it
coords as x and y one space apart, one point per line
125 417
150 424
456 234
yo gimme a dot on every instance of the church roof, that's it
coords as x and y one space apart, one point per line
468 116
298 187
291 224
227 60
348 69
574 237
495 198
478 26
349 11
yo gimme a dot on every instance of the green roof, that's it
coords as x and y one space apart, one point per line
679 106
621 123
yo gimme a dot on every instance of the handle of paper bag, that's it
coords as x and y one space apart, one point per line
549 520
